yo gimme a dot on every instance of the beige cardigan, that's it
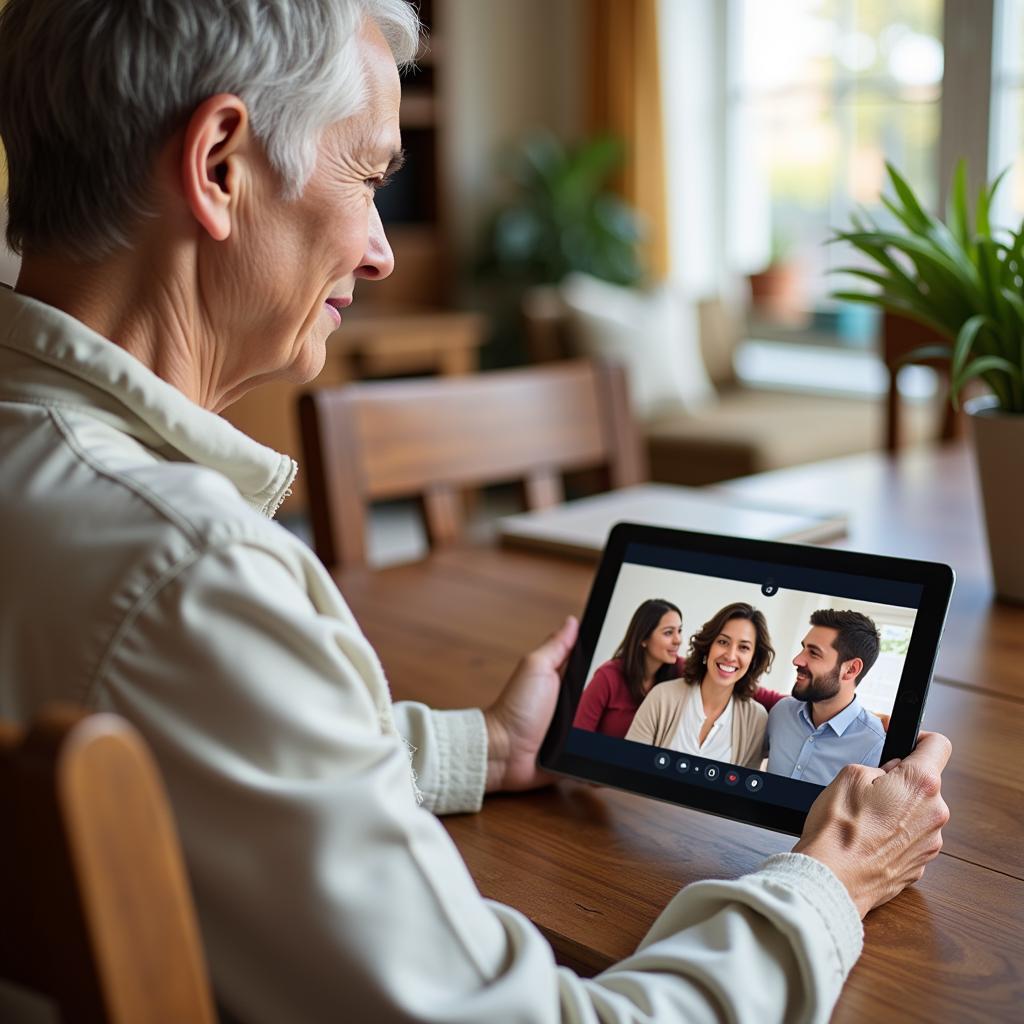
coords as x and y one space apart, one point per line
657 721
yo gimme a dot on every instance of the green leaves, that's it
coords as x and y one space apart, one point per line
965 342
956 215
562 217
957 278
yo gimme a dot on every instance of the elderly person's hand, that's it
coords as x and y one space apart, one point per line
877 828
518 720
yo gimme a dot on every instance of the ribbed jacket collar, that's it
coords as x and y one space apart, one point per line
48 356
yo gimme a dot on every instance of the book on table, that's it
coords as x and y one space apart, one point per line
581 527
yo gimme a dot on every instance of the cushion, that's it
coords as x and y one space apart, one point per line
654 334
751 430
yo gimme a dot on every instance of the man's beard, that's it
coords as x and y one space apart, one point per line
812 688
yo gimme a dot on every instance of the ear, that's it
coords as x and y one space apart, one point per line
852 668
216 139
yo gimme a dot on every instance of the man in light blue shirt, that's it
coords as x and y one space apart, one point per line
823 726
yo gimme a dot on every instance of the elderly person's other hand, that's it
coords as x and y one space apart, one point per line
518 720
877 828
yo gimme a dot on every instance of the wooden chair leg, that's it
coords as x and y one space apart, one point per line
892 414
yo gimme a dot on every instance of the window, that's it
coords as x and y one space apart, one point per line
878 690
820 94
1007 150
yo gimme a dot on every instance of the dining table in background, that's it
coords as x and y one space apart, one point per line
593 867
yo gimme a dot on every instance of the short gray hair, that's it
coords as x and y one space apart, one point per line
91 89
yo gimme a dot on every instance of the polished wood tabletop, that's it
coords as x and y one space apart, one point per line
593 867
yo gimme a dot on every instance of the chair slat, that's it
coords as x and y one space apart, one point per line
900 337
443 515
93 893
544 489
433 437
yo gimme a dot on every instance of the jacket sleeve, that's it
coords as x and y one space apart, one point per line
593 702
327 893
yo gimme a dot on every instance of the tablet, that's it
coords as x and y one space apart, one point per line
738 677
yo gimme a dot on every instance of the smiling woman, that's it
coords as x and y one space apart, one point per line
647 656
710 710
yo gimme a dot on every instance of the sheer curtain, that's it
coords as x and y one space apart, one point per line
693 54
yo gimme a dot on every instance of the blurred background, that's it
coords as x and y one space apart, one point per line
656 181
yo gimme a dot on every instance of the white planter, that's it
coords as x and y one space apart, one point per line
999 448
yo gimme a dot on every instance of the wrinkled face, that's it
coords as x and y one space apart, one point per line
665 639
295 262
817 666
731 652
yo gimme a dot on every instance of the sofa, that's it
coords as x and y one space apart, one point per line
721 429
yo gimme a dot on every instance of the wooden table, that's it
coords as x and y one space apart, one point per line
593 867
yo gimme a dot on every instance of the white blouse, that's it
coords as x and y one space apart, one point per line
718 743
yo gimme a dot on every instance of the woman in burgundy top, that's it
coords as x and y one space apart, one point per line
648 655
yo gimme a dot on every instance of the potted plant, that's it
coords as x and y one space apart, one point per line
562 215
557 215
777 290
963 277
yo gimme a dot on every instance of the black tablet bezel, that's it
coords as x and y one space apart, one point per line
935 579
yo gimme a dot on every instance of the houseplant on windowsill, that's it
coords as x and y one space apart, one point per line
777 290
965 280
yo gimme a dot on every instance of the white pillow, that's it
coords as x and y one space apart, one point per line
654 334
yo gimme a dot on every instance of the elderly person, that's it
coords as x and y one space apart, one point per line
192 189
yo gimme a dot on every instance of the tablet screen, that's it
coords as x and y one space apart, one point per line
729 680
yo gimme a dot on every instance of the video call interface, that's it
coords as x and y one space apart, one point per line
760 679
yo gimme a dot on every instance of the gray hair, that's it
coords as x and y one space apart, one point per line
91 89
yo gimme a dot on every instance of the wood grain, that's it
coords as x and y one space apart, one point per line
430 438
984 781
593 867
474 612
948 949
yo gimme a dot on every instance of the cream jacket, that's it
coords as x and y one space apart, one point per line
658 717
142 573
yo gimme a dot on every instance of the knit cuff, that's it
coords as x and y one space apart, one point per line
461 739
817 884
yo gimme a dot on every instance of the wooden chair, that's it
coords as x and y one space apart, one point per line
432 437
95 906
428 341
900 336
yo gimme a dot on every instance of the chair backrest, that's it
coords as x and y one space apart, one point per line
900 337
95 906
432 437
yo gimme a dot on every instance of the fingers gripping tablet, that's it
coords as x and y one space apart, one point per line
739 677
